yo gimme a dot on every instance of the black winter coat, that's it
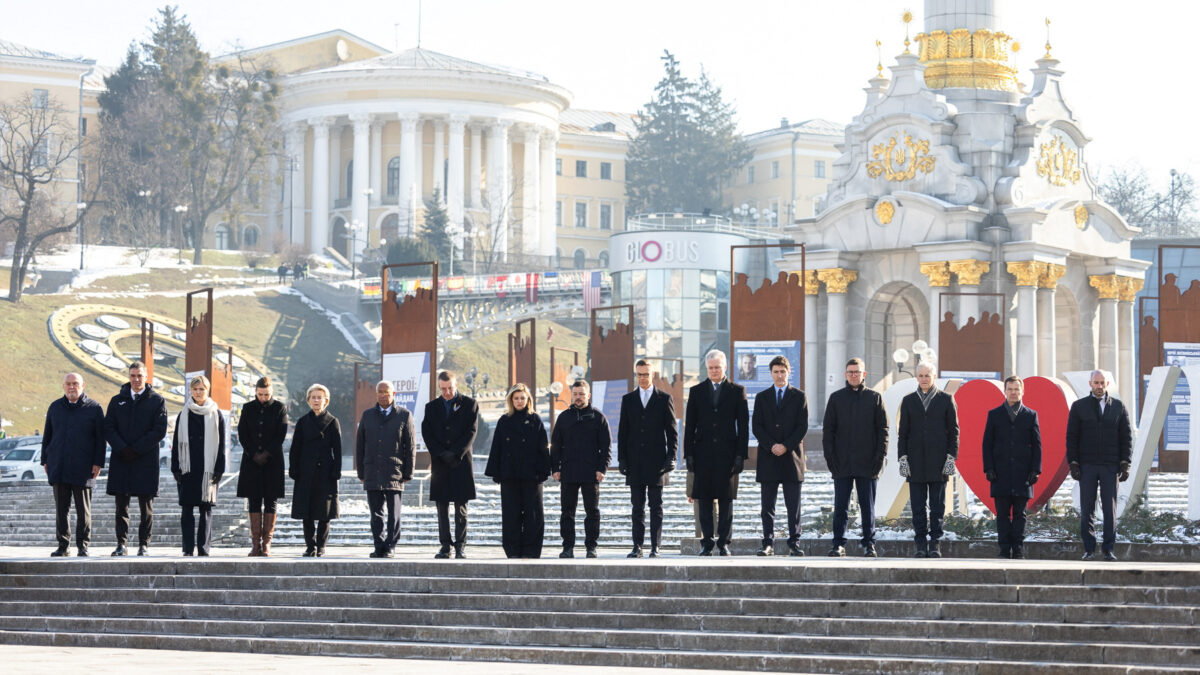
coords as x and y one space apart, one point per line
714 436
855 435
1012 450
647 438
927 437
73 441
139 425
1093 438
786 424
450 441
519 449
188 484
383 448
262 430
580 445
315 466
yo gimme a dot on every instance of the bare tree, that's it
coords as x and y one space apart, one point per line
1170 213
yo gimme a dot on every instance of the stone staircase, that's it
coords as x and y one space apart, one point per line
845 616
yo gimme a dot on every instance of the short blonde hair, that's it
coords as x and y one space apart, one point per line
509 408
317 387
202 380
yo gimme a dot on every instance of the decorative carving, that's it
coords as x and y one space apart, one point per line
1081 216
836 279
960 58
1050 275
1128 287
938 273
1106 284
899 160
884 211
811 284
969 271
1027 272
1059 164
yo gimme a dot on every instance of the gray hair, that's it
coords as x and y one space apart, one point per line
927 365
1107 377
716 355
386 383
317 387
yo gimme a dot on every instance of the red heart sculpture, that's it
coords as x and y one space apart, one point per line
1047 397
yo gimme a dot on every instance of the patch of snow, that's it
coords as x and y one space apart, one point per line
333 317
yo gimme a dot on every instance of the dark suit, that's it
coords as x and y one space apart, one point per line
449 432
647 444
1012 459
1099 443
784 422
927 436
716 440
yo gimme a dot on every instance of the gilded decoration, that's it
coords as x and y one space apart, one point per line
1081 216
938 273
1128 287
972 60
811 283
884 212
1059 164
969 271
836 279
899 160
1108 285
1050 275
1027 272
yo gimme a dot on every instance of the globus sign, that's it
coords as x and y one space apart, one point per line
670 250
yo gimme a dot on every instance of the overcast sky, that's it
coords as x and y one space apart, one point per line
1130 67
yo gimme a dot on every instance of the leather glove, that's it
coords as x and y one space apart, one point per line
991 476
691 464
739 463
904 470
1032 478
949 468
1076 472
261 458
1124 474
128 454
624 471
668 467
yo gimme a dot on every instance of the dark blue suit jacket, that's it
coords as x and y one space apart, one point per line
1012 450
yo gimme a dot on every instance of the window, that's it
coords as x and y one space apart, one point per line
819 168
580 258
775 169
250 237
350 179
558 214
41 153
581 168
580 214
749 174
605 170
41 99
393 177
603 258
606 216
558 166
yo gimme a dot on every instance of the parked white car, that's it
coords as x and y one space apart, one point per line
23 462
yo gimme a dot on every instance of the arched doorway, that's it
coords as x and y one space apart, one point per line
250 237
340 238
389 228
897 316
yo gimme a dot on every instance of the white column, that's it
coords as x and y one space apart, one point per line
499 202
439 158
835 341
418 190
1027 331
454 179
335 164
548 241
295 196
408 127
811 377
376 161
476 165
1108 335
320 185
531 231
269 194
358 198
1047 351
1127 376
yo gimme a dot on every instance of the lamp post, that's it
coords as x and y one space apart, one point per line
453 231
920 350
355 227
181 210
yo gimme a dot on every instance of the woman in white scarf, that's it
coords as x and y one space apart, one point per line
198 460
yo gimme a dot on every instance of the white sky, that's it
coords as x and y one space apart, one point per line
1130 67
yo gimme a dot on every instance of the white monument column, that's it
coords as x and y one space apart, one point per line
408 127
335 164
439 158
836 279
1127 376
319 238
938 273
418 190
359 204
1107 287
531 231
811 377
1048 335
376 161
1027 273
476 166
454 177
270 199
296 194
499 202
548 241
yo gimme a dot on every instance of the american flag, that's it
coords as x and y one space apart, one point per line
591 292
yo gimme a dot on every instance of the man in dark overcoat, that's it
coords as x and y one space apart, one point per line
383 453
1099 450
927 445
134 425
448 430
580 452
647 444
72 456
1012 462
716 442
780 424
855 437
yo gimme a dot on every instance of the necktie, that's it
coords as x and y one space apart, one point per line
716 393
778 398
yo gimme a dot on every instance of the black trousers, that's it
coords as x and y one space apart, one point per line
196 536
791 501
724 522
260 505
376 500
460 524
865 487
522 519
145 525
928 523
316 533
591 514
638 495
1104 477
1010 521
63 495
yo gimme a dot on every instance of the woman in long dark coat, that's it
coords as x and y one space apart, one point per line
198 462
315 465
262 428
520 463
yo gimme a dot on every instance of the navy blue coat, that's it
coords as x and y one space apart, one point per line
519 449
787 425
138 425
580 445
647 438
855 434
73 441
189 483
450 440
714 436
1012 450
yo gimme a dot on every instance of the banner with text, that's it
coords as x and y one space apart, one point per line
751 367
409 375
606 397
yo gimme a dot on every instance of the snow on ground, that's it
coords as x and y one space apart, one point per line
334 317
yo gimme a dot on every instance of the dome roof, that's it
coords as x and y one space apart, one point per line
425 60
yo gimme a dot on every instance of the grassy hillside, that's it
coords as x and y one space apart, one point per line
490 353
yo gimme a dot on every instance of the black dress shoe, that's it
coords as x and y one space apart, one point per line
921 552
935 549
870 552
377 554
202 554
443 554
187 554
460 552
635 553
143 550
794 551
59 552
310 552
1089 555
837 552
1110 556
82 553
119 551
1018 553
591 553
767 550
320 553
653 552
567 553
723 550
706 550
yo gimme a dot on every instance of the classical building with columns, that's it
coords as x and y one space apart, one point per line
957 181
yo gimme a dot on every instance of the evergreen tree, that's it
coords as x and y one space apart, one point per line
413 250
435 230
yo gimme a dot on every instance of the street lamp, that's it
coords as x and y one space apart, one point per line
453 231
552 393
181 210
355 227
920 349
